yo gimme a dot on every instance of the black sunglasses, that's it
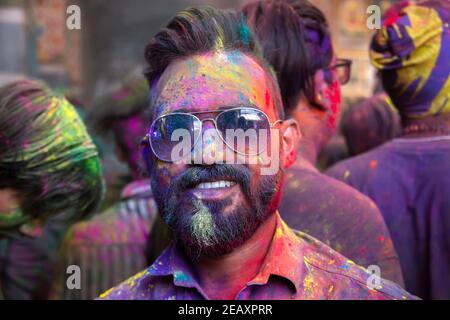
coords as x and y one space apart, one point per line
343 70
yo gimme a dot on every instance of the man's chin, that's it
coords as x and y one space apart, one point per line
210 232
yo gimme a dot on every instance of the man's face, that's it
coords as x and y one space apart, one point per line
12 220
214 208
328 96
332 97
10 212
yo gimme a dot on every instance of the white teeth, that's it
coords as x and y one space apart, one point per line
216 184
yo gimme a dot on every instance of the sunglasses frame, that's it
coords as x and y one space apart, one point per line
342 63
214 121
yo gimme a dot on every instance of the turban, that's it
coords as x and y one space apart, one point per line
412 53
64 141
44 144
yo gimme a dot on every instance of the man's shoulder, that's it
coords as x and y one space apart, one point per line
300 181
142 286
329 272
130 289
360 164
332 191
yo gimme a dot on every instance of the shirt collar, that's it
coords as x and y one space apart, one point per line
173 261
138 188
284 259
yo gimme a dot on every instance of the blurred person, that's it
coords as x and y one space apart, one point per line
369 124
408 176
110 247
207 74
333 152
296 41
49 170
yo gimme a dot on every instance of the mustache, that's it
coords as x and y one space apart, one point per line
197 174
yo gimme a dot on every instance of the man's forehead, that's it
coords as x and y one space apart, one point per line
214 80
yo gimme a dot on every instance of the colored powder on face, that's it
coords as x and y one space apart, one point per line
219 79
203 225
333 94
12 218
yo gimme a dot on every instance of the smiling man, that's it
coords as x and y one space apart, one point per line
206 73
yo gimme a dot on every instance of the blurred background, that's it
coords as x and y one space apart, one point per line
87 64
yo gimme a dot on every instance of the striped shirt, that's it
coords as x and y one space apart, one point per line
109 248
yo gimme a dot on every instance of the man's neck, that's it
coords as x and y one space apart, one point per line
224 277
308 150
303 164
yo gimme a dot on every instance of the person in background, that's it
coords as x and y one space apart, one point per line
296 41
207 75
110 247
369 124
408 177
49 171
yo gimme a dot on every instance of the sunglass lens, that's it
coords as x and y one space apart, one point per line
171 130
244 130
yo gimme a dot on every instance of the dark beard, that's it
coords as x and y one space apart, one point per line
200 225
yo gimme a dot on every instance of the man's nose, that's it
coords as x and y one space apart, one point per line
210 148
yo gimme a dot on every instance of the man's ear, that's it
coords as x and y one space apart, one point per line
32 228
321 87
291 139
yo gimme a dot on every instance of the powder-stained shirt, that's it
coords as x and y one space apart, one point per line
296 266
340 217
409 180
110 247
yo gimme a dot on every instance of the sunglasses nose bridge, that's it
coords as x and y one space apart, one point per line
212 126
210 147
212 120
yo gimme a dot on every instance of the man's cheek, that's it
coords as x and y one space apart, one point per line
269 159
335 97
163 173
333 94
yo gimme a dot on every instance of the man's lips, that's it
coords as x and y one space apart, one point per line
214 189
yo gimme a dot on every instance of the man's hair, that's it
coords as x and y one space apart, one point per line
200 30
125 113
369 124
296 41
46 154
